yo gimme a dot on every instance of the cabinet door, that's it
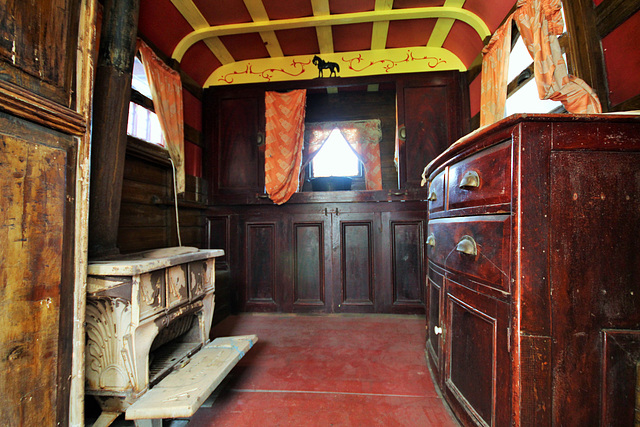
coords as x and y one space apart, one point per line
262 264
430 111
435 319
477 367
353 262
240 161
311 264
401 263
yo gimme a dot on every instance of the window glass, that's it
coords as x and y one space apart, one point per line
335 158
143 123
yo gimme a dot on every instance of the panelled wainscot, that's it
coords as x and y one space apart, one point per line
533 271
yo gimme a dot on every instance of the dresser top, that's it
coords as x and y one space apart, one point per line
144 262
488 132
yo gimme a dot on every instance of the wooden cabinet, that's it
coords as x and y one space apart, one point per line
532 244
326 257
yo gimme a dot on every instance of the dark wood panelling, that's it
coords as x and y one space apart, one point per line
309 253
239 167
261 258
610 14
435 286
620 379
218 235
407 262
356 273
37 46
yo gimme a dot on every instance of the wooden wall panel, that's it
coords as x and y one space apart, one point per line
239 166
261 257
356 258
34 359
309 276
37 46
218 235
407 262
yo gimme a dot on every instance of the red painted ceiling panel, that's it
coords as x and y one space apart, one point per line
279 9
162 24
303 41
223 12
464 42
351 6
402 4
245 46
623 63
199 62
410 33
491 12
597 2
352 37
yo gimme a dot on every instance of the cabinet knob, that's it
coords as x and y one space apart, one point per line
470 179
437 330
431 240
467 245
432 196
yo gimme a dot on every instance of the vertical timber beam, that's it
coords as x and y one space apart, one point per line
110 112
585 56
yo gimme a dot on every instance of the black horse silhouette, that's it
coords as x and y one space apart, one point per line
323 65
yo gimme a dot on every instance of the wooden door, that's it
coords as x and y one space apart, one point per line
39 148
354 238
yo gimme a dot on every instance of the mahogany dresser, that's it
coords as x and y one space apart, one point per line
533 284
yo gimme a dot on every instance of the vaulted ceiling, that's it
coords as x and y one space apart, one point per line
221 42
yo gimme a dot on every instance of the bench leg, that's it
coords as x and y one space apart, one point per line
106 418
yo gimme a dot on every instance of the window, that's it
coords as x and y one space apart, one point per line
336 158
522 93
143 122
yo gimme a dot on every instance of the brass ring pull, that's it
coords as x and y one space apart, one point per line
467 245
431 240
432 196
402 133
470 179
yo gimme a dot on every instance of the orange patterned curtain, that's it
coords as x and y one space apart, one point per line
495 66
362 135
166 90
284 114
540 22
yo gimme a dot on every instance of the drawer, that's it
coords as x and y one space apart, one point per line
482 179
435 193
177 287
201 277
477 247
152 293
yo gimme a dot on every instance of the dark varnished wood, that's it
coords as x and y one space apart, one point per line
110 113
572 265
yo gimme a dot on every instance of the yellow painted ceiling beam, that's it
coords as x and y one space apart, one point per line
259 14
192 14
381 28
324 34
443 25
349 64
341 19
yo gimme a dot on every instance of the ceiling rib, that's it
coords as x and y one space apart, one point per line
324 34
192 14
259 14
341 19
443 25
380 28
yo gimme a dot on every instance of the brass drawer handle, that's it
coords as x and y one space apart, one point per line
467 245
431 240
470 180
432 196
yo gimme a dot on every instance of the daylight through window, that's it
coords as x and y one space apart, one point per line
335 158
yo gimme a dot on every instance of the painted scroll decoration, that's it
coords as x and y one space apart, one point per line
362 63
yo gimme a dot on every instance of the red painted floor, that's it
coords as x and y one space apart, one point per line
332 370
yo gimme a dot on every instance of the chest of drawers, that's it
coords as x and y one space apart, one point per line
533 285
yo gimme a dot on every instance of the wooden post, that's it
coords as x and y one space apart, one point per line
110 113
